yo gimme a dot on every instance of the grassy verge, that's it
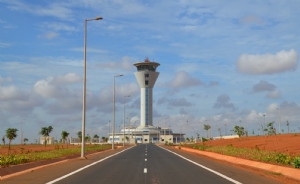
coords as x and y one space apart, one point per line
44 155
251 154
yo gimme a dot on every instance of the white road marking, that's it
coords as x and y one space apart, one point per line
145 170
215 172
146 159
78 170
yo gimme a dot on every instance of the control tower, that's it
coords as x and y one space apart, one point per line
146 76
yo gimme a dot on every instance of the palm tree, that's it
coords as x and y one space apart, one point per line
103 139
11 134
87 138
64 135
45 131
207 127
96 137
219 129
25 140
79 134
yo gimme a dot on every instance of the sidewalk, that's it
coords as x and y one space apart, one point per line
286 171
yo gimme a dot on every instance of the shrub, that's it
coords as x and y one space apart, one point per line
204 140
296 162
282 158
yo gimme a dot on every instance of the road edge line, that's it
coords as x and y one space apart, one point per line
204 167
78 170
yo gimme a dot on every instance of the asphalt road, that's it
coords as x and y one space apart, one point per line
140 164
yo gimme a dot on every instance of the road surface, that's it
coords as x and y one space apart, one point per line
140 164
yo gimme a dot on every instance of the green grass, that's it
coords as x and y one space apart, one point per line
252 154
44 155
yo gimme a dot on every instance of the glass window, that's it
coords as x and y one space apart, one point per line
146 82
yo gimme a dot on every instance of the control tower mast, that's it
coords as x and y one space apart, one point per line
146 76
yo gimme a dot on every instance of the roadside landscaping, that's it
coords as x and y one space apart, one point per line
281 149
251 154
25 154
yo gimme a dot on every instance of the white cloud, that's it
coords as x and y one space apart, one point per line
4 80
268 63
55 10
274 94
91 50
126 63
68 78
223 101
57 26
263 86
56 87
286 110
12 93
183 79
174 102
4 45
49 35
253 115
252 19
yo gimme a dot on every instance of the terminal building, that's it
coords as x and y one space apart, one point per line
146 132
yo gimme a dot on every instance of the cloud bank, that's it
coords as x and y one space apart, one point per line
282 61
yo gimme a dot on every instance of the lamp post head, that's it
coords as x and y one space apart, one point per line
98 18
118 75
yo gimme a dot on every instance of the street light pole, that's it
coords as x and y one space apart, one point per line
84 87
113 125
279 121
124 122
264 122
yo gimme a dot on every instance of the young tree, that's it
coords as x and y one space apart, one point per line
188 139
79 135
64 135
3 140
96 137
239 130
192 139
11 134
103 139
219 129
271 129
45 131
25 140
207 127
87 138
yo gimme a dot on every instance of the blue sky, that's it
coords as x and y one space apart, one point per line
222 62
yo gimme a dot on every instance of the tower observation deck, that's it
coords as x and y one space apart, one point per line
146 76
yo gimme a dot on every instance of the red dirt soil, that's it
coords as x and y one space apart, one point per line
285 143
